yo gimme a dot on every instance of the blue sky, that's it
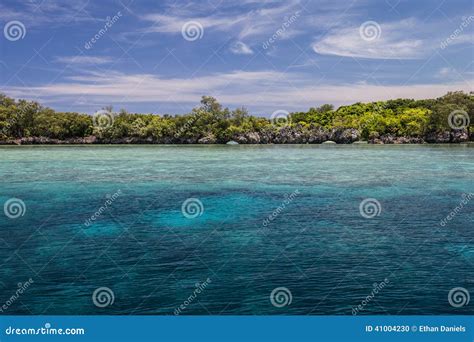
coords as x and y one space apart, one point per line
265 55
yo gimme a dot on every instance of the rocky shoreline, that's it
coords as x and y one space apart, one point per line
286 135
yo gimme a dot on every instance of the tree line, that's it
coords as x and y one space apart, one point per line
210 122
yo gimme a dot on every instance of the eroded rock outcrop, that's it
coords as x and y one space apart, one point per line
297 134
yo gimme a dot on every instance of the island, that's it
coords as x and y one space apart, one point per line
447 119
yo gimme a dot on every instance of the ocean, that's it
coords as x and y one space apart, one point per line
233 230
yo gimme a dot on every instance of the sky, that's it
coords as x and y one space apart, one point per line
162 56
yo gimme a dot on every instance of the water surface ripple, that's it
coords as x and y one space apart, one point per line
316 243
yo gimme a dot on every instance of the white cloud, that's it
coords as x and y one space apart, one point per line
240 48
394 41
173 24
461 39
252 23
264 90
50 12
83 60
446 72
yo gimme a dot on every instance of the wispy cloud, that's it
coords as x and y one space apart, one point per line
462 39
259 90
52 12
240 48
82 60
394 41
446 72
251 23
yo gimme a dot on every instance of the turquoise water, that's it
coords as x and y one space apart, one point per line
317 244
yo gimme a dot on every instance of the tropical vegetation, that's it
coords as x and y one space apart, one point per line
210 122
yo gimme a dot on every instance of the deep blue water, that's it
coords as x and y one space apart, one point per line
317 244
